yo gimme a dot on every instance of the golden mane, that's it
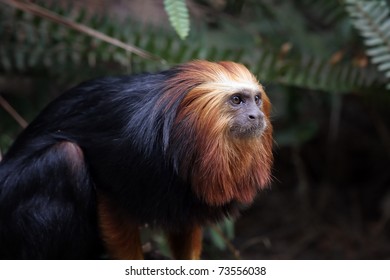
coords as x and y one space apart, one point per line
221 168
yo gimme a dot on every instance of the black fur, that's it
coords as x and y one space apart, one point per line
48 195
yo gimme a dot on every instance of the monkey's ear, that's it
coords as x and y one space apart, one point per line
266 104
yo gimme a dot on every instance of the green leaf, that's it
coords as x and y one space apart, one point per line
178 16
372 20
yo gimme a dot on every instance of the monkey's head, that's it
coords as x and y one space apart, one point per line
221 136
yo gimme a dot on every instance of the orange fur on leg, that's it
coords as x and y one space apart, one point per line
121 236
186 244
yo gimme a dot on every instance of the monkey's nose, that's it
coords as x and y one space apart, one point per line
255 116
252 117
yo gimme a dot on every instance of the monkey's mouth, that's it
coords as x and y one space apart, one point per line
249 130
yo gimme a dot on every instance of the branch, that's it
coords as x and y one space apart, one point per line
42 12
8 108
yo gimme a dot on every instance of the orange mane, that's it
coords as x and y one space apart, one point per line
220 168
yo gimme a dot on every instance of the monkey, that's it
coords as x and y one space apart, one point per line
177 149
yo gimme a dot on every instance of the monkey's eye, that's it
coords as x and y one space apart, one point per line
257 99
236 100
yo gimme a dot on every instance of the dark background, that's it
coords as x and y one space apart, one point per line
330 196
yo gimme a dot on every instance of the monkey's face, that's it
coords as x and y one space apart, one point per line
247 117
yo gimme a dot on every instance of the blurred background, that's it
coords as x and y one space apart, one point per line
325 65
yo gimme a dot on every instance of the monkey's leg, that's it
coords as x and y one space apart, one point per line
47 204
186 244
121 235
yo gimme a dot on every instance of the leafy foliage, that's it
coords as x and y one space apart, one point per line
372 19
178 16
33 44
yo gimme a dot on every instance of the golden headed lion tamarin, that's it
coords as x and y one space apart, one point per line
176 150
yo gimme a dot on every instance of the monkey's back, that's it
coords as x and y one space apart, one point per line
110 120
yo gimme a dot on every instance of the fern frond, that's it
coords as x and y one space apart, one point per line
312 72
178 16
327 12
372 20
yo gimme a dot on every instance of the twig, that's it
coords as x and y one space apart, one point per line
8 108
335 116
303 189
257 240
303 182
230 246
42 12
382 130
